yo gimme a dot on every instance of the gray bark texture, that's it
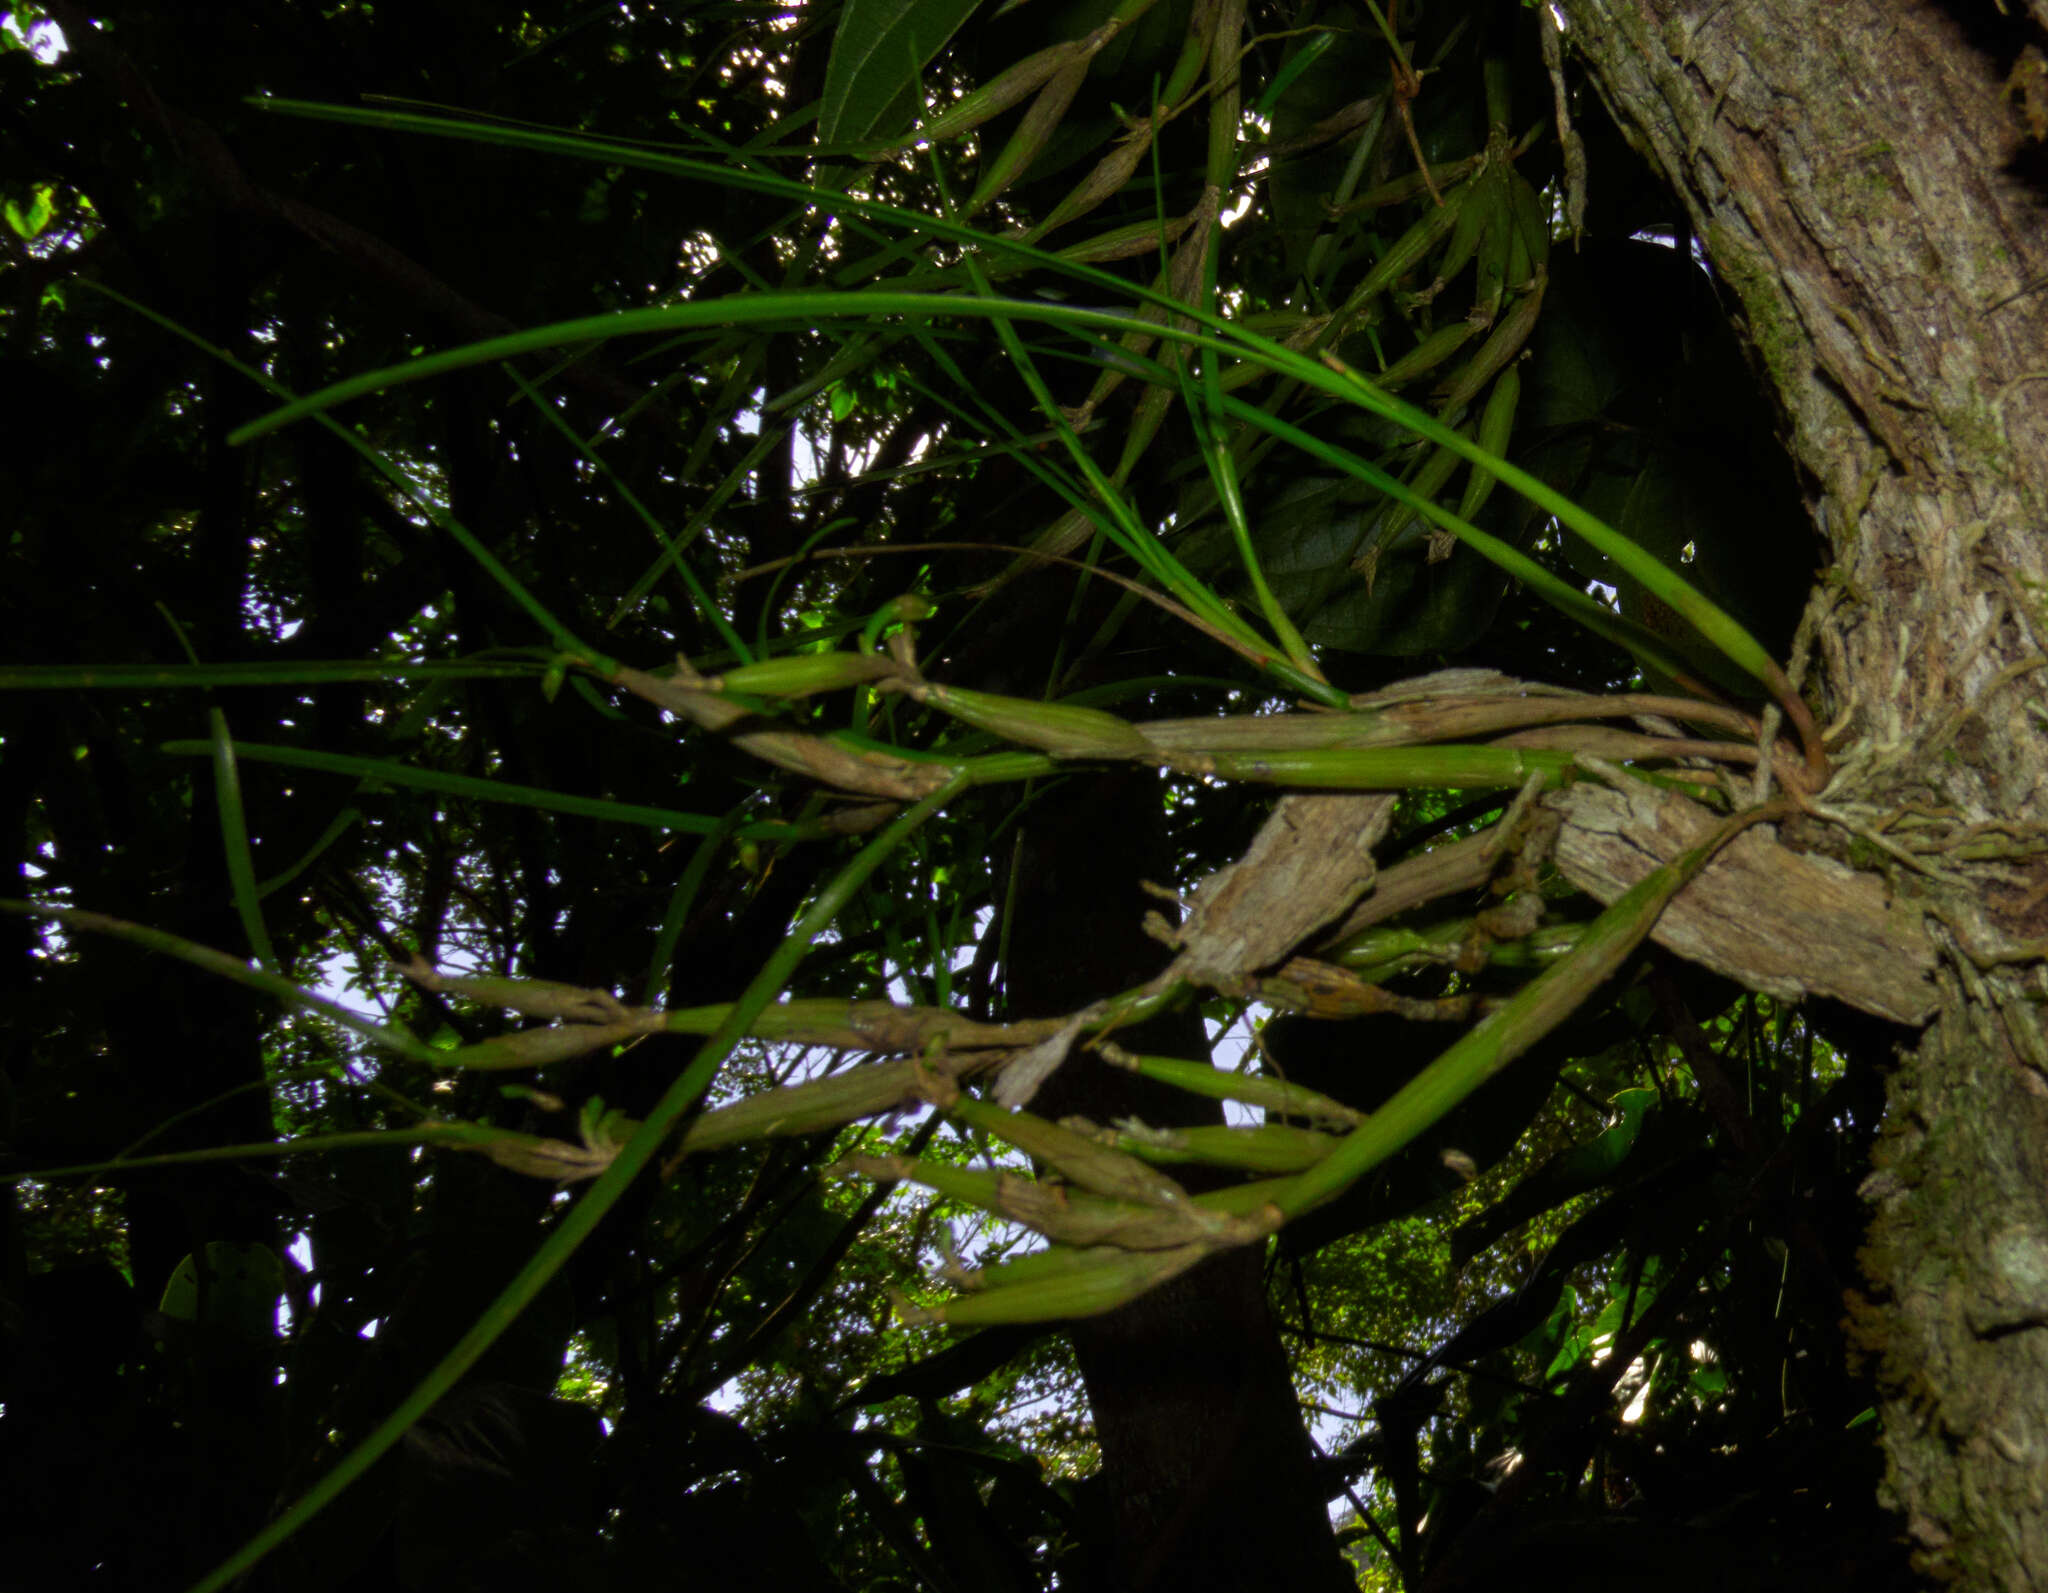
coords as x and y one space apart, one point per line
1831 930
1849 167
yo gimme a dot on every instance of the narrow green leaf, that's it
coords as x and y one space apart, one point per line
577 1223
463 785
680 902
1254 1089
712 611
1298 63
1596 618
137 677
564 640
1536 1009
465 1135
235 969
1672 589
879 54
234 835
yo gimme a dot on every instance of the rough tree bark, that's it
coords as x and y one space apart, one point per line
1850 169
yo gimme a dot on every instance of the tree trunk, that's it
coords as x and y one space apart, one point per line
1850 169
1205 1463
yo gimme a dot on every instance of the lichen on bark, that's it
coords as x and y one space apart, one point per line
1851 168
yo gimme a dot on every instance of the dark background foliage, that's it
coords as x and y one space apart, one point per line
1614 1355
